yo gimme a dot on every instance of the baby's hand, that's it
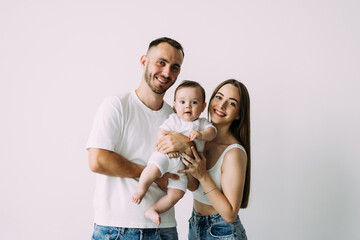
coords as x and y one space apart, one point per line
195 135
173 154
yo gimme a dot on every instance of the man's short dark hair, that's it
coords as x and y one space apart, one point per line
170 41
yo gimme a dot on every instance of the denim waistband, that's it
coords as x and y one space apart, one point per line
122 230
215 218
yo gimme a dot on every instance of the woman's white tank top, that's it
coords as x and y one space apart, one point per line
215 173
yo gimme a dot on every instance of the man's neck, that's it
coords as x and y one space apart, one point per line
149 98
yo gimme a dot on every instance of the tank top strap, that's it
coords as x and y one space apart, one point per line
228 148
235 145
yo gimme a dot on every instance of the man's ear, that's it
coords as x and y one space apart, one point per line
203 106
143 61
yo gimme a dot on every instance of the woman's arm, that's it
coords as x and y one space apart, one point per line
226 203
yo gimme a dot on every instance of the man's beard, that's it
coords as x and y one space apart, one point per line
148 77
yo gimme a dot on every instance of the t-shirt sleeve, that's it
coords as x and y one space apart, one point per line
107 125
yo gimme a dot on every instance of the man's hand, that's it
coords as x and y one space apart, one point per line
163 181
172 142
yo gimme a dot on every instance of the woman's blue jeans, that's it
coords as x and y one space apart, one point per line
211 227
119 233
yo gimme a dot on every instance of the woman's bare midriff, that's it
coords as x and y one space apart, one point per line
204 209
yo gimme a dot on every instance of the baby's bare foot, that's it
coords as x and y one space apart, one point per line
137 197
153 216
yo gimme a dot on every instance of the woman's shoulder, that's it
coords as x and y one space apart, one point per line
235 151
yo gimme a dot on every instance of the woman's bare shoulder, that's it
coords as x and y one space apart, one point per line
235 154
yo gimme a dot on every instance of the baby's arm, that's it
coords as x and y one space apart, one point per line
207 134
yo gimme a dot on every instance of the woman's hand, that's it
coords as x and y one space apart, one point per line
172 142
195 166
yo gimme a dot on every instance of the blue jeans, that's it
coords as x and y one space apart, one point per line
120 233
214 227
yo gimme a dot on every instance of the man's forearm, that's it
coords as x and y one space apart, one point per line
112 164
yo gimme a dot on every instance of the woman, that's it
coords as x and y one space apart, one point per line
223 171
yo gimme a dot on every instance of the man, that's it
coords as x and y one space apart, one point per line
121 141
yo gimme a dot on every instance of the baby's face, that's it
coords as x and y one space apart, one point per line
189 103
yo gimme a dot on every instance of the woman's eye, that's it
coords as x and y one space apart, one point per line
218 97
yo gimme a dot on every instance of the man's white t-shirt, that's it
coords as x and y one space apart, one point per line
123 124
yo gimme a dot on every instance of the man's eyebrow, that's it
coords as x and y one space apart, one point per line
163 59
229 98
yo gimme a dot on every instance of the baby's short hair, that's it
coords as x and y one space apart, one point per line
189 83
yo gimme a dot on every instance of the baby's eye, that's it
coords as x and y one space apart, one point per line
182 101
194 102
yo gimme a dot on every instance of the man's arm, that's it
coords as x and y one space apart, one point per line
112 164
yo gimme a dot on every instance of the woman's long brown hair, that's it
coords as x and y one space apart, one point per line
241 130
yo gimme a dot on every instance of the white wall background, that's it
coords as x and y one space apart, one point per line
299 59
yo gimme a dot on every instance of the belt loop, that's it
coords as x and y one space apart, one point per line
122 230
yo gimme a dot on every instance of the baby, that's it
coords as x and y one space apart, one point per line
189 103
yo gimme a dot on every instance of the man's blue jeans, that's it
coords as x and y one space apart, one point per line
119 233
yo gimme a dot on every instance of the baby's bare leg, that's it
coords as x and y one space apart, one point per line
150 173
164 204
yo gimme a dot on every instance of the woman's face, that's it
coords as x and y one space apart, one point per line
224 107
